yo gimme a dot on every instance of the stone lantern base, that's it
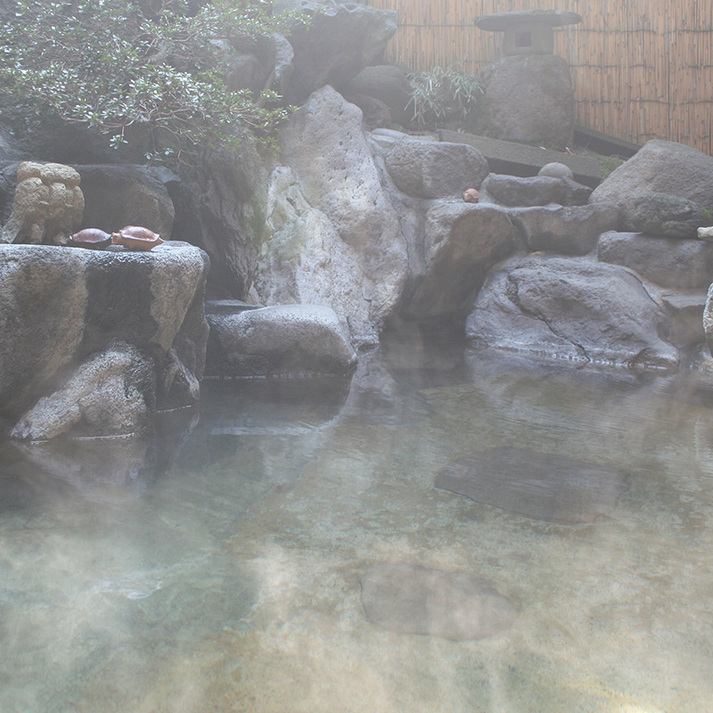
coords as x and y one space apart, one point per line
528 99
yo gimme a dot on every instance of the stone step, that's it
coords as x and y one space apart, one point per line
523 160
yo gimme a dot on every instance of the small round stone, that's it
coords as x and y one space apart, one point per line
556 170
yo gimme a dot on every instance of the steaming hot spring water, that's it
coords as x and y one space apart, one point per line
443 533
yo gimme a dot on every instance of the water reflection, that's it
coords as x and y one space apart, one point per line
218 565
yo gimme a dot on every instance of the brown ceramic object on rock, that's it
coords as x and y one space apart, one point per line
135 237
92 238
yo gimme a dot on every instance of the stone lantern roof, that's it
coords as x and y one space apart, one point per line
528 31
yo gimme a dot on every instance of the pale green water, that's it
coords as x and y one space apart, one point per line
220 571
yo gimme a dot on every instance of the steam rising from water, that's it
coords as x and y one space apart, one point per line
230 580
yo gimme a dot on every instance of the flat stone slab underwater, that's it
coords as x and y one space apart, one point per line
545 486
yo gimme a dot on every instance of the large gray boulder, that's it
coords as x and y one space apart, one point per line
533 190
528 191
374 112
220 206
246 62
462 241
55 141
60 307
572 309
42 308
435 169
331 237
327 150
667 215
669 262
289 340
668 170
387 83
686 308
528 99
338 42
568 230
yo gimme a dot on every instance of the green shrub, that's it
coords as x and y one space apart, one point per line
105 65
442 96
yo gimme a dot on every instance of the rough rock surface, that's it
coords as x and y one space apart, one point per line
686 308
667 215
54 141
462 242
568 230
575 193
573 309
59 306
341 39
375 113
332 237
533 190
663 167
528 99
42 308
669 262
435 169
389 84
220 207
115 196
326 148
284 64
516 191
109 394
245 62
285 339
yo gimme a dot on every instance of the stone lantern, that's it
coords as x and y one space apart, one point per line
528 31
527 94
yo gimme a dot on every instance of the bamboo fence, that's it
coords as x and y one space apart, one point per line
641 69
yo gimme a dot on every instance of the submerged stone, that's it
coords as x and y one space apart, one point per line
538 485
409 599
